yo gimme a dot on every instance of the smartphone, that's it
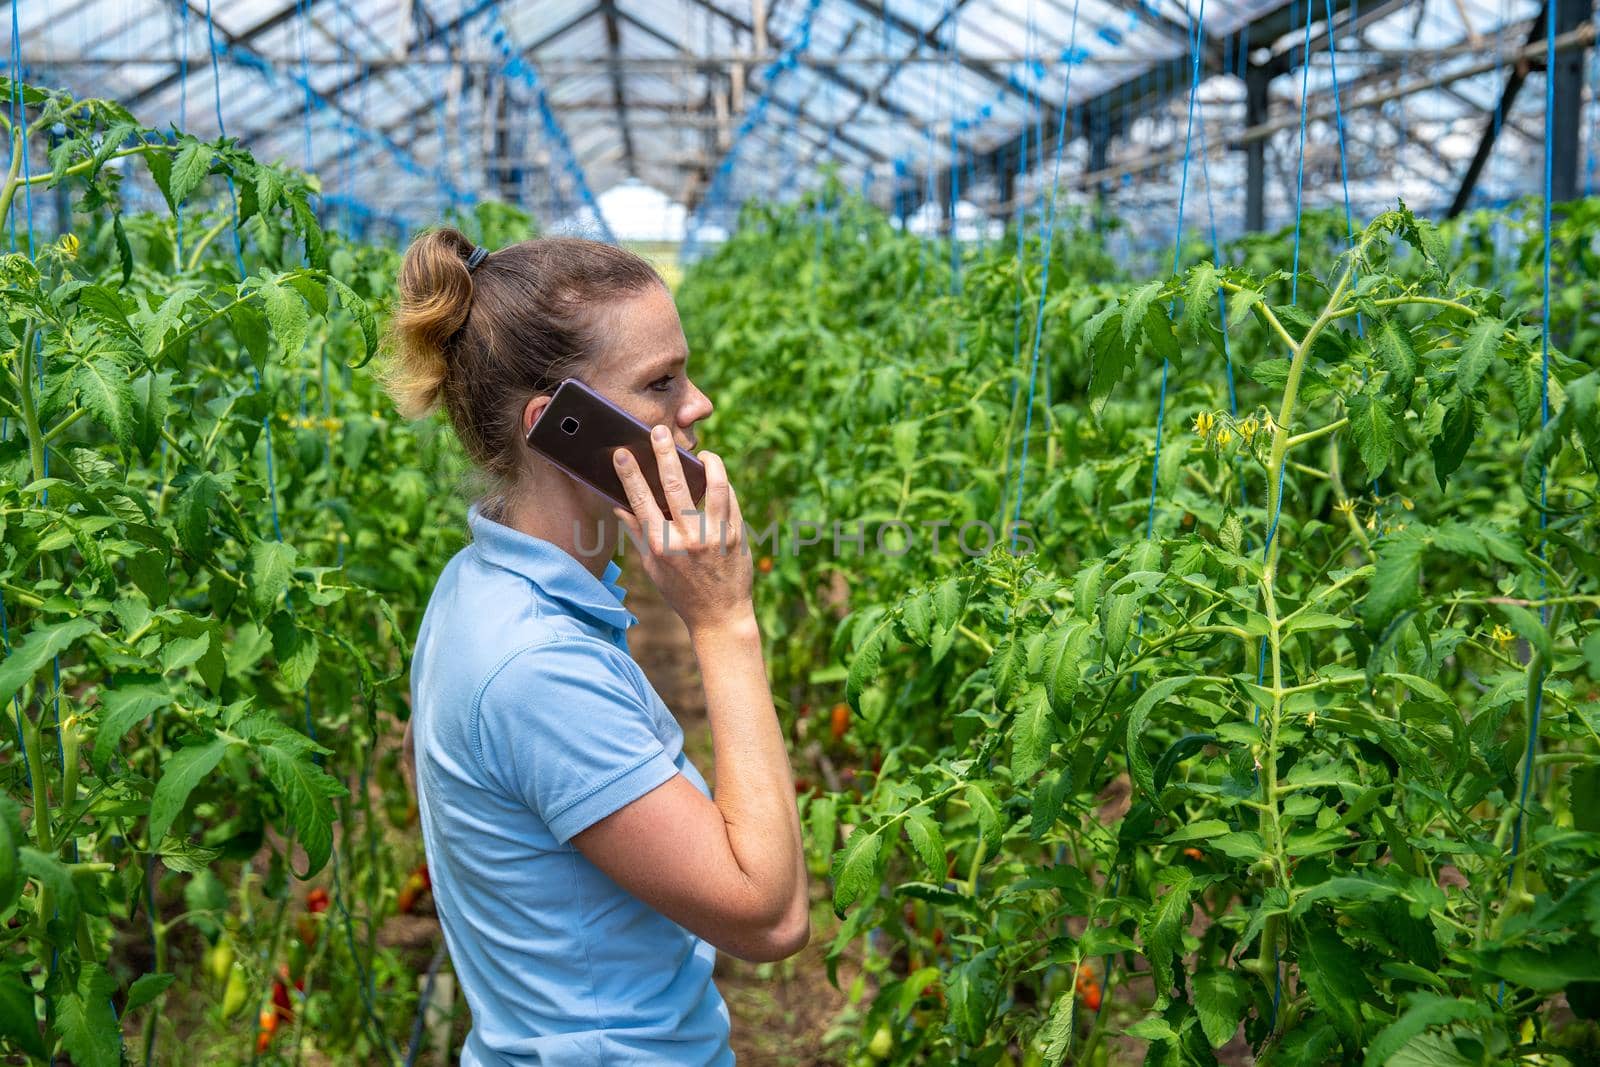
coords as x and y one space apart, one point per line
579 430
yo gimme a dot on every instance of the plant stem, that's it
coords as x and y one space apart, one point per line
209 236
1312 435
64 424
41 808
30 412
10 189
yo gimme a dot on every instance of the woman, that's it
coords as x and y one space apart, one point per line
583 873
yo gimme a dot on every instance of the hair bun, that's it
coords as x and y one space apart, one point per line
435 300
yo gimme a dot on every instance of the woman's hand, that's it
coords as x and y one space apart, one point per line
697 559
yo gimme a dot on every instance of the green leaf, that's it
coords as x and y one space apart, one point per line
1477 353
1055 1036
1143 772
104 389
286 311
19 1019
1110 358
119 234
1116 616
183 770
1336 979
1162 927
1006 668
192 514
87 1021
11 879
973 990
1426 1011
189 169
1220 998
855 868
1394 581
146 987
1134 307
864 665
121 708
928 841
1062 664
1031 734
351 301
981 798
1049 798
307 791
160 166
1198 293
1240 305
1392 343
271 568
1585 797
1158 335
250 330
42 644
1456 433
1372 429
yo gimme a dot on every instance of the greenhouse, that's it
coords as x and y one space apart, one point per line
800 532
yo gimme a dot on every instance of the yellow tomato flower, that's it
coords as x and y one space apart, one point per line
1247 429
1345 506
67 247
1224 437
1203 423
1502 635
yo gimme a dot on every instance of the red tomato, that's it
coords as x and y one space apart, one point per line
317 900
1091 996
839 720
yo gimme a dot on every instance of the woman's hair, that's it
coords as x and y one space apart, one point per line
486 341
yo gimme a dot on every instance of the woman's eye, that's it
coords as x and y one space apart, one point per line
661 385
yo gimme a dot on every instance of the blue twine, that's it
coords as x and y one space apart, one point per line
1044 281
1544 420
1300 180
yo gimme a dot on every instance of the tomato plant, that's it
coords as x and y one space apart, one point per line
215 542
1256 749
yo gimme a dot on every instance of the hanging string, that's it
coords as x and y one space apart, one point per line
1544 420
1044 280
1300 178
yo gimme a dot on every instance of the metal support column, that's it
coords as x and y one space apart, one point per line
1099 146
1565 126
1256 81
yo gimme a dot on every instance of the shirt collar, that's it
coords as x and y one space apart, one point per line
554 570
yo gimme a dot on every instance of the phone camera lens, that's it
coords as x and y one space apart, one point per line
569 426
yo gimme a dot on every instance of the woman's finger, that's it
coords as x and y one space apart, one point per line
673 484
716 498
643 502
736 520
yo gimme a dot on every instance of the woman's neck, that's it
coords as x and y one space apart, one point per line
557 512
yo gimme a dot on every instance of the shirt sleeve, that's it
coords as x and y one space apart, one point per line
566 726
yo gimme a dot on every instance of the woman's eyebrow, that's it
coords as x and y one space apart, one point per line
668 366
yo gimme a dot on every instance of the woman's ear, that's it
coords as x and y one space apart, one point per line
531 412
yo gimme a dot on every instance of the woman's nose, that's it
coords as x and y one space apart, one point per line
696 408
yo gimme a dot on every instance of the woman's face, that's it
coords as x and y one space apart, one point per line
644 366
643 369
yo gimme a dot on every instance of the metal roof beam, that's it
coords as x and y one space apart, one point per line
277 18
410 120
1135 96
608 12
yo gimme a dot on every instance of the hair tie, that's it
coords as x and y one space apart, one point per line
478 256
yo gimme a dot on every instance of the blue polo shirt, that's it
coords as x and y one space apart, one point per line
531 722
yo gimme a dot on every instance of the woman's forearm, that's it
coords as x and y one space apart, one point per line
754 783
